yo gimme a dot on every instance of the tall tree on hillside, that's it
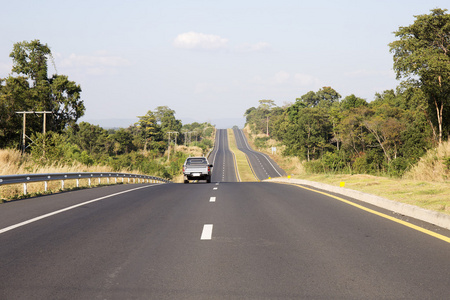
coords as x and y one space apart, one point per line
148 128
324 97
57 93
422 56
166 119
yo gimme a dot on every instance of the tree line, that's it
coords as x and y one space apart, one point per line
140 147
387 135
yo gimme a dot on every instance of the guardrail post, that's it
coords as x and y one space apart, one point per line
107 180
24 188
62 184
46 185
89 182
99 180
78 182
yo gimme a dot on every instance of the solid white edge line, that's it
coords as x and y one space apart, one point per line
207 232
3 230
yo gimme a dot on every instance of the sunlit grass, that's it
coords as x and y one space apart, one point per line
243 167
425 185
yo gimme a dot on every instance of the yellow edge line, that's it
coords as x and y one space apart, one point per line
423 230
236 170
246 157
251 167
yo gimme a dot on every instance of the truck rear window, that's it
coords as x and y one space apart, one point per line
196 161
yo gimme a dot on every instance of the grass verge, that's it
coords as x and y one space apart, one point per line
417 187
243 167
429 195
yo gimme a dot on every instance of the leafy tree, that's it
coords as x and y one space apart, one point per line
422 56
90 138
14 96
166 119
29 88
148 128
122 141
325 97
353 102
65 102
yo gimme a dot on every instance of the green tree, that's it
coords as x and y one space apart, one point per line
122 141
90 138
148 128
166 119
422 56
57 93
14 96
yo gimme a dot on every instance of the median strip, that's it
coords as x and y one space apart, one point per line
243 167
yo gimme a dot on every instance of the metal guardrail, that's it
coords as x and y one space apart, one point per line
28 178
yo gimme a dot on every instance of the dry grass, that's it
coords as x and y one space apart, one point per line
12 162
243 167
426 185
431 166
426 194
191 150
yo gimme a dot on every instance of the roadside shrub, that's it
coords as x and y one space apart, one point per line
261 142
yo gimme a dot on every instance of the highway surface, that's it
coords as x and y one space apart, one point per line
222 158
262 165
223 240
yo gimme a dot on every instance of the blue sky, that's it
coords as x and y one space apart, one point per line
210 60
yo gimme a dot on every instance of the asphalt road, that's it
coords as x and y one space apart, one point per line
222 158
263 166
224 240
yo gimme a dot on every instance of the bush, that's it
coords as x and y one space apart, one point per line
261 142
329 162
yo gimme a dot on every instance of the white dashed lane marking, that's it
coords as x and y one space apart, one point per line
212 199
207 232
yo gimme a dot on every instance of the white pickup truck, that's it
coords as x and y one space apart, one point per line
197 168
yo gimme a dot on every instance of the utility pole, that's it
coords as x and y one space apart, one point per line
24 136
190 136
185 138
169 140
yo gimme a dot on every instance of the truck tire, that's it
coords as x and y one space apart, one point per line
208 179
186 181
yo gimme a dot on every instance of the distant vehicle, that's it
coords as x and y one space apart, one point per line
197 168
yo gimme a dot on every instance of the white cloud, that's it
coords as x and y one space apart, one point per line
98 63
281 77
96 60
196 40
369 73
305 80
202 41
261 46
